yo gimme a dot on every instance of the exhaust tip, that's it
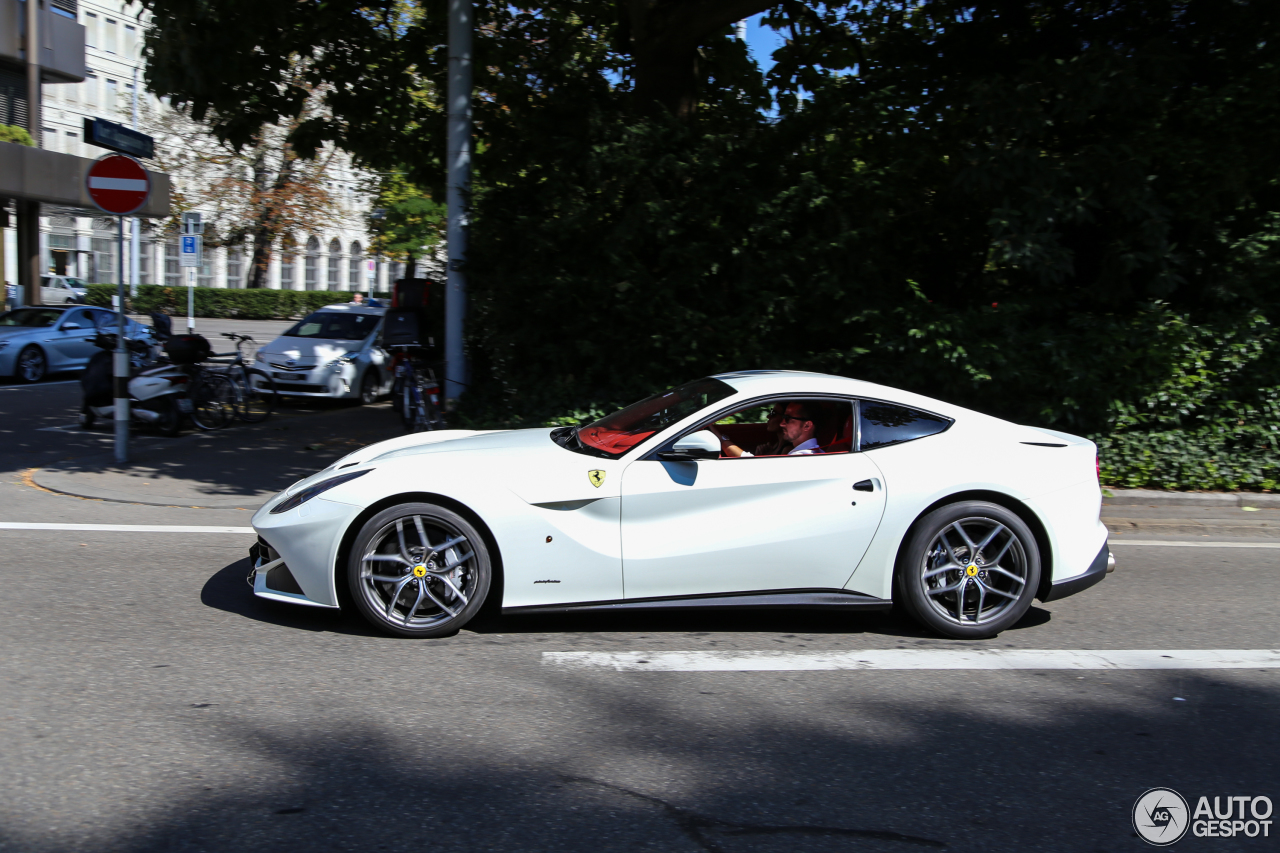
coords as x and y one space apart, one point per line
1111 562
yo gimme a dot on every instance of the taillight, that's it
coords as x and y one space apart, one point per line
1097 465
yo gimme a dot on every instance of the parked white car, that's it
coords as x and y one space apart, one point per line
881 497
335 352
62 290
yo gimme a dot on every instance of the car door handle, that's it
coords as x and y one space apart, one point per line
864 486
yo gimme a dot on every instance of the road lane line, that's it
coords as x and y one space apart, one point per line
124 528
1172 544
907 659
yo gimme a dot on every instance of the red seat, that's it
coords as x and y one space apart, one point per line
842 442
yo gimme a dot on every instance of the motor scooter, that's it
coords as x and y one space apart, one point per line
158 392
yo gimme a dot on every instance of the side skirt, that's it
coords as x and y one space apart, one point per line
810 599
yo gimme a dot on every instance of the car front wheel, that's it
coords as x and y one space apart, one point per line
32 364
419 570
970 570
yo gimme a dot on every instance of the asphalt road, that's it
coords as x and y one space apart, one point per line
149 703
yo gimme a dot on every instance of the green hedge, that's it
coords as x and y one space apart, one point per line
217 302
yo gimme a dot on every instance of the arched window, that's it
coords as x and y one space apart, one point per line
313 263
355 267
335 265
288 263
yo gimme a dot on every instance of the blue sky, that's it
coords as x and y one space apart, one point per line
762 42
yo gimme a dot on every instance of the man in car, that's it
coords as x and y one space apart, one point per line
798 426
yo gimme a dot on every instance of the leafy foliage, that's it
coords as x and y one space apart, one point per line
17 135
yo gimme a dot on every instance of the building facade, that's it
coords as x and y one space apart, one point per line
332 256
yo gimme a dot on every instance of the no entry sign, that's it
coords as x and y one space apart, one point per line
118 184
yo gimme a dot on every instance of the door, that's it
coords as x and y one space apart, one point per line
71 347
748 524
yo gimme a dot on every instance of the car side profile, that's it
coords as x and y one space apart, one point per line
35 342
867 496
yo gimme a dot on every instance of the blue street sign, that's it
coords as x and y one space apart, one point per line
189 250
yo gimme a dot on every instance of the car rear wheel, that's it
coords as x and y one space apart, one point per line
32 364
419 570
970 570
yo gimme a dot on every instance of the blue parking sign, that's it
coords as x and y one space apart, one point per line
189 250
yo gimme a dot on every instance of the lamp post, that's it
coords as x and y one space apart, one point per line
458 160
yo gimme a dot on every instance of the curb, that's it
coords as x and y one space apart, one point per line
1219 500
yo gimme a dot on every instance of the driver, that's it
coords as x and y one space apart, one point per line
798 426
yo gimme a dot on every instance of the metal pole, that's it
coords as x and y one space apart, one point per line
135 259
29 211
191 300
121 371
458 160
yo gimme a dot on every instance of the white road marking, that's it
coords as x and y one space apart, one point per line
39 385
900 659
1219 544
124 528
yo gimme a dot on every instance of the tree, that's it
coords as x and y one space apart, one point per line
407 223
261 191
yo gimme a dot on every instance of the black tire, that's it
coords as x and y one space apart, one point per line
404 405
442 601
951 583
213 401
369 386
87 417
257 396
32 365
170 421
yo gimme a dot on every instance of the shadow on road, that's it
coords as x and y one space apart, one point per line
714 768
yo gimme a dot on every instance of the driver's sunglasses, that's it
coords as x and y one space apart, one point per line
792 418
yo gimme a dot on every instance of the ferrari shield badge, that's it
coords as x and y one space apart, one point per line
596 477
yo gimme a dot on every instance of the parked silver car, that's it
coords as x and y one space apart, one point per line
35 342
335 352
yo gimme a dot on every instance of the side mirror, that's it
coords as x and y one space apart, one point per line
66 327
692 447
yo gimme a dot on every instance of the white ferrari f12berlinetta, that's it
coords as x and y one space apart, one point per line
775 489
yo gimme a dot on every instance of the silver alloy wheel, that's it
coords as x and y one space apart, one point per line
974 571
32 364
413 582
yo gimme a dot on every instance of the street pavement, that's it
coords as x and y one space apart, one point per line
148 702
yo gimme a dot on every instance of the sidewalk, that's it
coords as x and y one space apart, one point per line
234 468
243 465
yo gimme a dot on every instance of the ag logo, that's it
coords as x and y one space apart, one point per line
1160 817
596 477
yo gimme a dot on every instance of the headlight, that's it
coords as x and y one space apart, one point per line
260 357
311 491
343 360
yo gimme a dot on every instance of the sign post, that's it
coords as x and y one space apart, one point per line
119 185
190 255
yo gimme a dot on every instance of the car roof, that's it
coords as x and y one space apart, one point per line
761 382
376 310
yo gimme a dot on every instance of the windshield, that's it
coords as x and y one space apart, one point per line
35 318
614 435
75 282
335 325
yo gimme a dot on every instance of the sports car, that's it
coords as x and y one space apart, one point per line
755 489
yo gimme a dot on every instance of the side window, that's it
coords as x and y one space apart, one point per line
783 427
78 316
883 424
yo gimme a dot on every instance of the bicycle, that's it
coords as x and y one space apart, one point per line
255 389
417 396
